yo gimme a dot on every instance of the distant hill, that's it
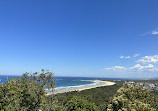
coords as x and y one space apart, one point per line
154 78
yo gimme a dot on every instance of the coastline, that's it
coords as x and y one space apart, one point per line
105 83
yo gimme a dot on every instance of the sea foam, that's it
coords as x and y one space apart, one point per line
70 88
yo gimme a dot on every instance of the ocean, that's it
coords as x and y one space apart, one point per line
68 83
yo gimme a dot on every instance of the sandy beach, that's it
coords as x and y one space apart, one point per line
105 83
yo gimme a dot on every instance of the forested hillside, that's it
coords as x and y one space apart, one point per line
96 97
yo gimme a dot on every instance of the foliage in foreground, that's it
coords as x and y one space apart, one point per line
133 97
80 104
26 93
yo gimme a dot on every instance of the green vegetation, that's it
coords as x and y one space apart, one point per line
80 104
99 97
133 97
28 94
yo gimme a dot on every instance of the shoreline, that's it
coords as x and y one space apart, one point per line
105 83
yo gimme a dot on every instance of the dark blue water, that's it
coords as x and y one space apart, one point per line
3 78
59 81
68 83
65 81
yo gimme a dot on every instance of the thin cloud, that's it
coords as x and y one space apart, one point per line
140 67
116 68
153 32
129 57
136 68
147 33
136 55
149 59
126 57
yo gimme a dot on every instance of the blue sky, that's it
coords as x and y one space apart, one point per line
105 38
